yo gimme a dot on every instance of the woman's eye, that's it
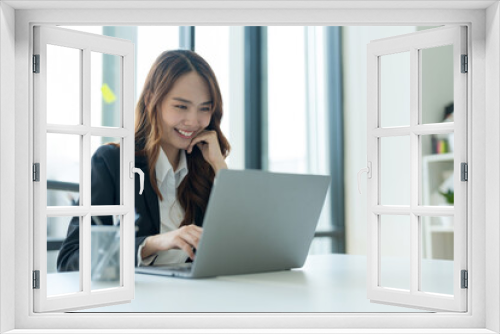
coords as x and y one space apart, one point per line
181 107
205 109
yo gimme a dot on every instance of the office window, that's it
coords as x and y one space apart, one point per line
213 44
287 118
151 41
222 47
312 109
297 120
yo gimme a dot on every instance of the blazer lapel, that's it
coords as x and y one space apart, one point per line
150 196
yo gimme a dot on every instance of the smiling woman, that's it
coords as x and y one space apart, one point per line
179 90
179 110
299 134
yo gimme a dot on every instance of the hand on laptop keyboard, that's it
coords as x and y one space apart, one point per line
185 238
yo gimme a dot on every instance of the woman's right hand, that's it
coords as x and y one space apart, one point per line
186 238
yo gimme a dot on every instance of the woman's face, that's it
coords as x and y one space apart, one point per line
186 111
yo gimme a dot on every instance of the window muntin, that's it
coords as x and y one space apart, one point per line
419 226
68 160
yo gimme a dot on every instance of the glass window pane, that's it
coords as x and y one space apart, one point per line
321 245
437 254
106 96
395 90
63 85
395 170
436 84
150 46
58 283
63 169
212 43
105 252
395 252
437 169
287 121
108 148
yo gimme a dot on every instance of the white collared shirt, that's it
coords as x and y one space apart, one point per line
171 212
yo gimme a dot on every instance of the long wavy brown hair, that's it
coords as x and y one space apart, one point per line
194 191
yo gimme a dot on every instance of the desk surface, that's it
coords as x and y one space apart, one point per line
326 283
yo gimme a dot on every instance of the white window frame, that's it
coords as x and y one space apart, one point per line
483 120
412 44
86 44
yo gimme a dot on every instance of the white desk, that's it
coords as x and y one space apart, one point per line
327 283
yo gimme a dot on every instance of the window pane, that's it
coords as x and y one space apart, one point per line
101 175
63 85
437 254
212 43
395 252
106 96
151 42
395 170
321 245
287 138
63 169
395 90
105 252
437 169
297 111
58 283
436 84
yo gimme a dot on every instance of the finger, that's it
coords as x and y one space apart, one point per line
202 137
190 239
194 227
195 236
194 241
196 141
186 248
202 145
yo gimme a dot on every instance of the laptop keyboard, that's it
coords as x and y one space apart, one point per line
183 268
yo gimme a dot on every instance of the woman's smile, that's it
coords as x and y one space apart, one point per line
185 134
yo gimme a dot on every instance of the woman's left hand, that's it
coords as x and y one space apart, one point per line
208 143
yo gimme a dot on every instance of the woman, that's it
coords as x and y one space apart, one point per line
180 148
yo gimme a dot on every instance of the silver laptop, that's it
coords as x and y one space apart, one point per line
255 222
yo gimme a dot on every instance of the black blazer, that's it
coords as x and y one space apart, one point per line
105 191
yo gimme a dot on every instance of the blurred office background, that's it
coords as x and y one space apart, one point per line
294 101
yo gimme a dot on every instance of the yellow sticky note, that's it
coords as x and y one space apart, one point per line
107 94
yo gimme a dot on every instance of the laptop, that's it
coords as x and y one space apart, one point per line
255 222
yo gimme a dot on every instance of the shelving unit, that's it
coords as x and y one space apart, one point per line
437 231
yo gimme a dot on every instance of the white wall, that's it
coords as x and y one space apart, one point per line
7 160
